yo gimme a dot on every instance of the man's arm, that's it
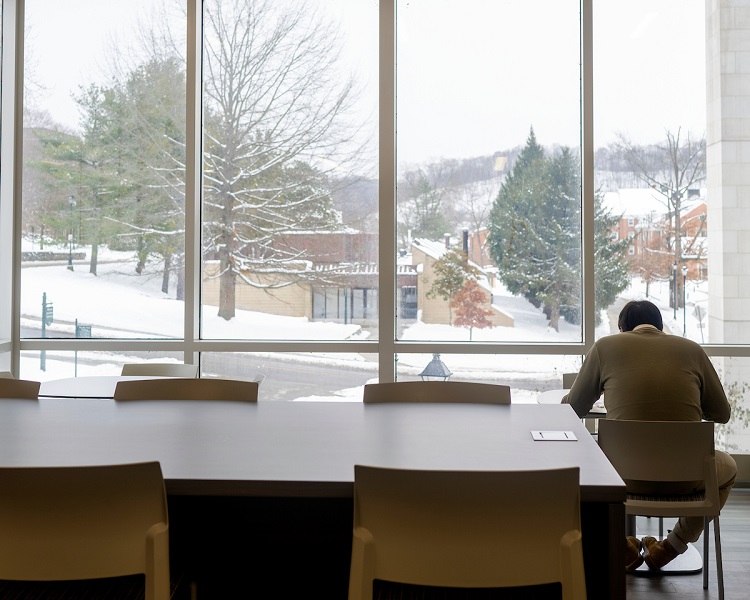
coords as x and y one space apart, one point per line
714 403
588 385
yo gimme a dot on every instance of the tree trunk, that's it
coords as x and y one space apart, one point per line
165 275
227 282
180 287
554 318
141 253
94 256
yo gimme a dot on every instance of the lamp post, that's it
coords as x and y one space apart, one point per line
72 203
684 300
435 370
674 287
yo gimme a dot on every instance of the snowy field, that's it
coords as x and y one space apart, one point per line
119 304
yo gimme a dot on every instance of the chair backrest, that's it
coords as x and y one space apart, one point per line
568 379
466 529
173 388
19 388
436 391
160 369
664 454
66 523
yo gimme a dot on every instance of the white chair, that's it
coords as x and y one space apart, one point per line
463 529
568 379
160 369
667 456
19 388
74 523
173 388
436 391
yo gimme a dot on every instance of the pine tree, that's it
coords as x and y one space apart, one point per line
535 236
610 267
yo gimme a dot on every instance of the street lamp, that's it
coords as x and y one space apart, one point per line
435 370
684 300
72 203
674 287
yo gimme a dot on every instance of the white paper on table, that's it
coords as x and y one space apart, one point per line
554 436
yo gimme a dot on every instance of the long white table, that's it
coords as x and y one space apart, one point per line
308 451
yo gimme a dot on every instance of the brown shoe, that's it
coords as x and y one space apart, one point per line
633 556
657 554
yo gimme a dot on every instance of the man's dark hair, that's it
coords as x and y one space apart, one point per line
639 312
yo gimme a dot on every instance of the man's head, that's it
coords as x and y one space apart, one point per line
639 312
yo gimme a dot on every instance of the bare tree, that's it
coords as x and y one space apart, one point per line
672 169
275 126
424 206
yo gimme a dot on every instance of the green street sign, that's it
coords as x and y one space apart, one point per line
83 331
48 314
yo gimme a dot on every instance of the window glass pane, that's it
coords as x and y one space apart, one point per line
527 375
671 97
338 377
650 152
47 365
734 437
289 193
103 179
488 146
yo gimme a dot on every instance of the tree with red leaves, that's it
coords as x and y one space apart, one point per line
469 303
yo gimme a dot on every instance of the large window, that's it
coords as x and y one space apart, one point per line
650 160
323 193
489 173
103 204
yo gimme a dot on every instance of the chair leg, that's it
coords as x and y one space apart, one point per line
719 562
705 552
630 528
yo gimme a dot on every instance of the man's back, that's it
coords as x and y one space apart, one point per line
651 376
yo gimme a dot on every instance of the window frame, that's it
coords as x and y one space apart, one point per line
387 346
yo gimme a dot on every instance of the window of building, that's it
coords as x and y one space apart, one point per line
345 304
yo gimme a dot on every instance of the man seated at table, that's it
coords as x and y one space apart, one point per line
647 375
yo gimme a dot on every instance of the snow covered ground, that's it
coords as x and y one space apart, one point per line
119 304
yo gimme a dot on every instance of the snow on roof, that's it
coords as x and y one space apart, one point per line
635 202
641 202
432 249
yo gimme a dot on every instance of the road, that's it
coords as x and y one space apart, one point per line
286 378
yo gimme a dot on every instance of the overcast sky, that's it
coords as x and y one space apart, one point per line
473 75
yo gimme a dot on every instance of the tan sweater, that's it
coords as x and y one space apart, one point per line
647 375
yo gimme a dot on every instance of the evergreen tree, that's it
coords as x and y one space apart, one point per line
559 267
126 168
88 167
512 239
610 267
535 236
